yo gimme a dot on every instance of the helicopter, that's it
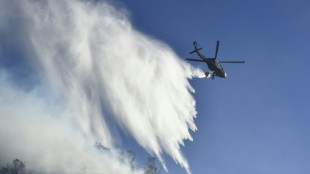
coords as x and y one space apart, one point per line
213 64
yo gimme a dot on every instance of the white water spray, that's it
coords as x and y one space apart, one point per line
98 64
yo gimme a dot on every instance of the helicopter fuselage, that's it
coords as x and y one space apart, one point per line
216 67
213 65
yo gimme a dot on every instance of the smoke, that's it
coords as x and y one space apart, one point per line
94 67
44 137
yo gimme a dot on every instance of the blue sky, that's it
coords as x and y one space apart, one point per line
256 120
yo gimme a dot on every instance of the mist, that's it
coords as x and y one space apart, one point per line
93 72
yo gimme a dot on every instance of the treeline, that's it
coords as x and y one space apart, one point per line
18 167
129 156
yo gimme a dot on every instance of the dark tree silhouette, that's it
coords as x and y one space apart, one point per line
17 167
151 166
130 156
100 147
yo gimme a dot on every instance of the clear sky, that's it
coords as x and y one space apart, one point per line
256 120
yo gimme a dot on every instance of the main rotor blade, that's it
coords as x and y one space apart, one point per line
232 61
197 60
217 48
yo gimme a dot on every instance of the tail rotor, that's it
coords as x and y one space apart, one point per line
196 49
